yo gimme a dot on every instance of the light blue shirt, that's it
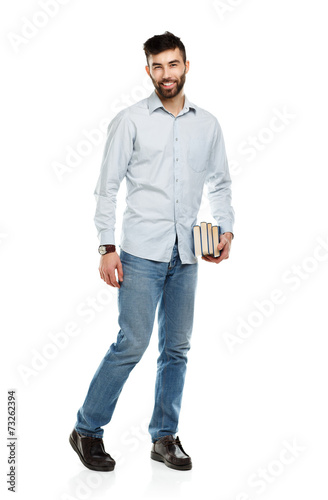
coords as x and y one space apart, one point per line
166 161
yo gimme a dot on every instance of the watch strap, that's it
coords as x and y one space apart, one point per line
109 249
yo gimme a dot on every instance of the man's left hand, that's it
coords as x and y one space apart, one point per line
224 247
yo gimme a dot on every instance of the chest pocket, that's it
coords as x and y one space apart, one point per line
198 154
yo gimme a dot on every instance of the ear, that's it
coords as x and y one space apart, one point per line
147 70
187 66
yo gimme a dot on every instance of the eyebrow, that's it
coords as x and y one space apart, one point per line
159 64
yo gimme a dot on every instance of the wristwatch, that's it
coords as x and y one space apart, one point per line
103 249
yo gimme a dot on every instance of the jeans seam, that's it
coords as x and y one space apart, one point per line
165 343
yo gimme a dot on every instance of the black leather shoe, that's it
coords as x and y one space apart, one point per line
169 450
91 452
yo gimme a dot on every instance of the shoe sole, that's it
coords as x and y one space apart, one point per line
101 468
159 458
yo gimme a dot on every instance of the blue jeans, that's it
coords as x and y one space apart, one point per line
146 284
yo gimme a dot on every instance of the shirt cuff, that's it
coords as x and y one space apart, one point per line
106 237
226 227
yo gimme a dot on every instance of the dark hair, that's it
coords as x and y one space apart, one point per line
159 43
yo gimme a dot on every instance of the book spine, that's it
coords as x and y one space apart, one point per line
204 239
196 235
219 232
210 238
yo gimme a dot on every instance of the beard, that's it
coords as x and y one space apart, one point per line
169 93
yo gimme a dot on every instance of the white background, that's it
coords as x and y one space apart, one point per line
249 389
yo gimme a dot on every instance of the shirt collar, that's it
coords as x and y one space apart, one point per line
154 102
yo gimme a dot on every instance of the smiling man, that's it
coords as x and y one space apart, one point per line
167 149
175 70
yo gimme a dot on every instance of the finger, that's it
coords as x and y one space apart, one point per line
120 271
224 255
223 242
215 260
221 245
112 278
105 277
208 258
107 280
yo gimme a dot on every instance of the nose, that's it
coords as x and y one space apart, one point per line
166 74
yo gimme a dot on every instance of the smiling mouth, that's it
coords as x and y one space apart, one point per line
168 85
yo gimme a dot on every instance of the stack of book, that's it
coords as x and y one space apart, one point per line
206 239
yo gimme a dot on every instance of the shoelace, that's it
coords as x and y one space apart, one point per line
167 442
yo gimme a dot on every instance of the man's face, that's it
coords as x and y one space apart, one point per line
167 68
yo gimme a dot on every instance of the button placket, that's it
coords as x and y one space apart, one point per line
176 150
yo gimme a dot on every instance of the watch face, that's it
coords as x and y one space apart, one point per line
102 250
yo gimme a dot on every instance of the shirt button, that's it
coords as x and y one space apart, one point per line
177 159
176 180
177 201
176 138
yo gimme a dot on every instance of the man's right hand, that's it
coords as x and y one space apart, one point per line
108 263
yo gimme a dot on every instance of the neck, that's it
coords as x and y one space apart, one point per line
175 104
